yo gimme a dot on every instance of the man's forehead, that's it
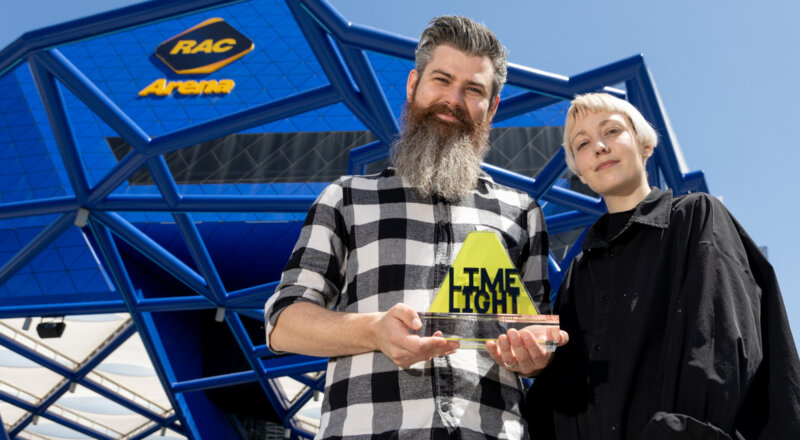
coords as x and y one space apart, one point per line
447 58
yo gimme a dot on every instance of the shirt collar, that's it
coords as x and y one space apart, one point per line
653 211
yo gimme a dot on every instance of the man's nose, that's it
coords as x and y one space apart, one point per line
453 97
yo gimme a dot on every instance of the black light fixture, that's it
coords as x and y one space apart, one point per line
51 329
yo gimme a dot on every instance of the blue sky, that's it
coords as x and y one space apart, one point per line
727 74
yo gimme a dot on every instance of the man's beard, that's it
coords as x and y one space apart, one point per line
438 157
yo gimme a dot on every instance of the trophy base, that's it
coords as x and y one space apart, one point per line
472 330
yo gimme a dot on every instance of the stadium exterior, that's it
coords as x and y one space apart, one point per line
156 163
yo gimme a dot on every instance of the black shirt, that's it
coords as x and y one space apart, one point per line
677 330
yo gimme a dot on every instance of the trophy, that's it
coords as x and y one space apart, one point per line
482 297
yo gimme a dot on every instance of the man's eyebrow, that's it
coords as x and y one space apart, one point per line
441 72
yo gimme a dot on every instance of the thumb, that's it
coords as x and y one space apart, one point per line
407 315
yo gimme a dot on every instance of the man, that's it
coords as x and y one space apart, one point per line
376 248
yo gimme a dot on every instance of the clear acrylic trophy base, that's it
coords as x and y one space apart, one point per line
472 330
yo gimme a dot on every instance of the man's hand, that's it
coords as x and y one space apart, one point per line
394 337
520 352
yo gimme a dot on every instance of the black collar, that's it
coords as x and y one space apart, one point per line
653 211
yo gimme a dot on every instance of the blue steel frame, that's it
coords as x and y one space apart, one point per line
340 49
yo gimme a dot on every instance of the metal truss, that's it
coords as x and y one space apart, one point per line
340 47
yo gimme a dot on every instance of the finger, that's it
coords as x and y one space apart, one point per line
494 352
507 355
563 338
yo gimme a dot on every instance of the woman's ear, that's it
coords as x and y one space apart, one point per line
647 152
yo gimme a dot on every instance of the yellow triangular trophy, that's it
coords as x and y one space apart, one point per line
483 280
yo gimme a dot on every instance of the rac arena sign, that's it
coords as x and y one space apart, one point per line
202 49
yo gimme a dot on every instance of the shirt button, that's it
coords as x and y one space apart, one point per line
613 427
611 254
445 407
605 297
596 347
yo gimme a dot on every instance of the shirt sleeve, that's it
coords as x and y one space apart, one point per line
720 339
533 267
315 270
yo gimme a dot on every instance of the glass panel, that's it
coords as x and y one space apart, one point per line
121 65
30 164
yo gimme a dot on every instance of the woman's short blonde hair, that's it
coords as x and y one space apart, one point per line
603 102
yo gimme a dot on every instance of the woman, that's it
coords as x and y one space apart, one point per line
677 327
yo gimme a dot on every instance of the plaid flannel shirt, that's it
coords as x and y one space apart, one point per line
370 242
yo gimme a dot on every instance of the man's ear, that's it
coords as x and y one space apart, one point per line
411 84
493 107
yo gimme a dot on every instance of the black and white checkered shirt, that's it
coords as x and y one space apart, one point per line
370 242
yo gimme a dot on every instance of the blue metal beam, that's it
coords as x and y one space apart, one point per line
163 179
144 324
109 306
201 257
548 175
118 339
335 69
3 433
200 203
69 375
298 404
73 79
521 104
27 208
243 297
97 25
558 195
152 250
61 128
43 239
280 366
151 430
50 415
123 170
645 97
207 383
236 327
364 155
252 117
567 221
371 91
359 36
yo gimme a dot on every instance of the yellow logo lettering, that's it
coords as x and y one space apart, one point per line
162 87
157 87
183 46
206 46
224 45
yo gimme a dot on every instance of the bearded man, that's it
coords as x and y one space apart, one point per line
374 250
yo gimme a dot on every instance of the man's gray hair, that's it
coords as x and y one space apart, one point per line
467 36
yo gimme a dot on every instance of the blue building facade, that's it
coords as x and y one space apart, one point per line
155 171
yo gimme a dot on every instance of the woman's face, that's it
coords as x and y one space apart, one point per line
607 154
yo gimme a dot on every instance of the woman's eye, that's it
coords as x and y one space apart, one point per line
581 145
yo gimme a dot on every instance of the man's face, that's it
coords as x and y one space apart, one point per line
454 80
446 124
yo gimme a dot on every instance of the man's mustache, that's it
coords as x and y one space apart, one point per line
441 108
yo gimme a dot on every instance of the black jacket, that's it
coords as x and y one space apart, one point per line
677 330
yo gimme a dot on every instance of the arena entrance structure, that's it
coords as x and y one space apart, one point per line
140 222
